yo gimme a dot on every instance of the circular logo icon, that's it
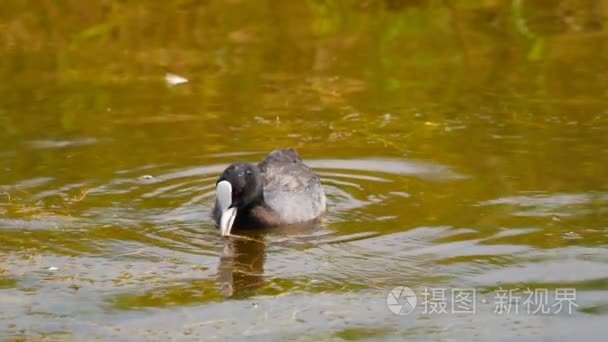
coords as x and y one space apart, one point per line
401 300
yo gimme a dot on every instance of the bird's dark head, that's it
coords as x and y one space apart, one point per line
238 187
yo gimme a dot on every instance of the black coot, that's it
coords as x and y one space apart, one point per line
280 190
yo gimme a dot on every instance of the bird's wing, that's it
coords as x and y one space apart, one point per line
291 188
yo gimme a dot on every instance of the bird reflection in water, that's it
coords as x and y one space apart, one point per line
241 267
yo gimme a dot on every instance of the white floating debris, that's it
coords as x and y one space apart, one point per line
572 236
42 144
146 177
53 268
173 79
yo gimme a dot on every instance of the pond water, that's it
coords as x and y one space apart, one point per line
463 145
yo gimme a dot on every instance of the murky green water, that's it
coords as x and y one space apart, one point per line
462 144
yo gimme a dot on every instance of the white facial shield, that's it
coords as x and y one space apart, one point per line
223 193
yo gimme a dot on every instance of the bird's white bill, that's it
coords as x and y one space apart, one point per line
223 193
227 220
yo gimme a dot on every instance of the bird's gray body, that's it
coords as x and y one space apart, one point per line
291 189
